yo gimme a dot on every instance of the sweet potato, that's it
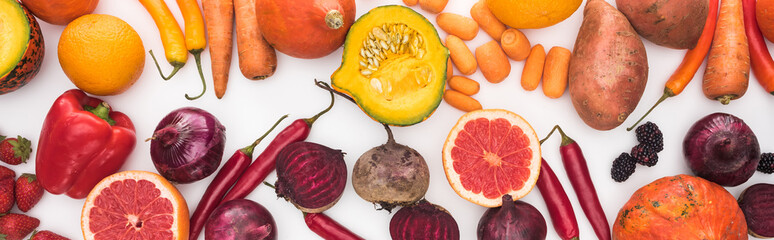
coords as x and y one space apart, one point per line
670 23
608 68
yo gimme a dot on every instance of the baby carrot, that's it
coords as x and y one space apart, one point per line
555 72
433 6
257 59
533 68
461 101
449 68
461 55
515 44
493 63
486 20
220 26
410 2
463 27
728 66
464 85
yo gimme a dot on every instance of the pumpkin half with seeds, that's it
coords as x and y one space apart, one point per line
394 66
680 207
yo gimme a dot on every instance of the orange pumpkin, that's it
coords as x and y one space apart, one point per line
305 28
680 207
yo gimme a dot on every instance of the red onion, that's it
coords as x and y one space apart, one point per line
311 176
757 203
722 148
423 220
513 220
240 219
187 145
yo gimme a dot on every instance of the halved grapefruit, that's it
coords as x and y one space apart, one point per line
134 205
490 153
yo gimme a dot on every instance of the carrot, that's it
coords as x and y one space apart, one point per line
555 72
728 66
533 68
515 44
464 85
194 36
171 35
433 6
463 27
220 20
760 59
410 2
486 20
257 59
461 55
461 101
691 62
493 62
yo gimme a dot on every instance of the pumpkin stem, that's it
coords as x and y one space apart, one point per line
334 19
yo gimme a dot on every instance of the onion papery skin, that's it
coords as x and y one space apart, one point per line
423 220
757 204
187 145
722 148
311 176
513 220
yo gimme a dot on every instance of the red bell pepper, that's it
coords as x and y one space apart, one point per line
82 141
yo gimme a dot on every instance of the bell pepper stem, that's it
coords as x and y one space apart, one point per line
102 111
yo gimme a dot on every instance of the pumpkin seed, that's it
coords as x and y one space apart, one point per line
363 64
376 84
365 72
378 33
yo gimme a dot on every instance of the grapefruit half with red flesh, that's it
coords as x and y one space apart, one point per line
490 153
134 205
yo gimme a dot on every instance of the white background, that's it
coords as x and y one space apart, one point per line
250 107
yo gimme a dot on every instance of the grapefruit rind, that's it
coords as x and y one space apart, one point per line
167 190
491 114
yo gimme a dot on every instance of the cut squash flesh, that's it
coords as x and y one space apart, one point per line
14 35
394 66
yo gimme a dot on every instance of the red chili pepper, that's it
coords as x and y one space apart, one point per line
559 206
327 228
760 59
228 174
578 172
81 142
267 160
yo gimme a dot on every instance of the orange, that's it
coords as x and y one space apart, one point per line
134 205
532 13
101 54
490 153
764 14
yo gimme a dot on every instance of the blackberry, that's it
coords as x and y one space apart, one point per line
766 165
645 155
623 167
649 134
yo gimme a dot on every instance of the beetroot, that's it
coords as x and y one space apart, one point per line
423 220
391 175
311 176
722 148
513 220
757 202
240 219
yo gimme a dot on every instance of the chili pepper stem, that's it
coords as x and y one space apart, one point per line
177 66
102 111
667 94
197 53
565 139
249 149
310 121
269 184
325 86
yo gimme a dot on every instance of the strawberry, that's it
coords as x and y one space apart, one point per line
15 150
28 191
14 226
47 235
6 189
